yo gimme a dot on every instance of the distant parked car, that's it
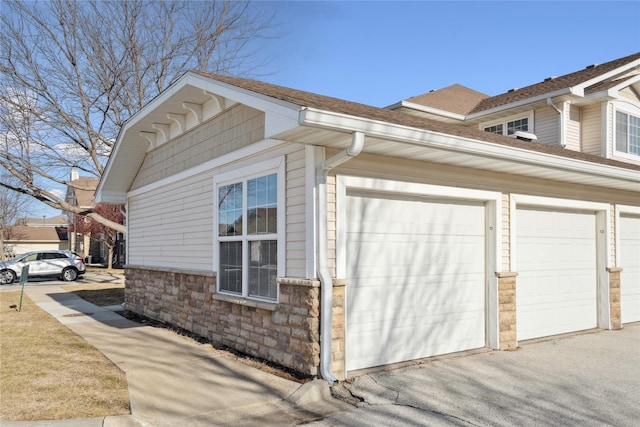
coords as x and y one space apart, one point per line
65 265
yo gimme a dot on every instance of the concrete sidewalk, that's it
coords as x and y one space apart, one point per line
176 381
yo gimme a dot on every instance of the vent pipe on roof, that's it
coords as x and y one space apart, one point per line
326 282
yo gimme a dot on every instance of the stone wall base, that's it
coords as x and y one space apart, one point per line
286 333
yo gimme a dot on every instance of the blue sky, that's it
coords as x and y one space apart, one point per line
380 52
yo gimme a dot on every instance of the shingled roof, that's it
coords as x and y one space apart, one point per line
455 98
84 190
312 100
553 84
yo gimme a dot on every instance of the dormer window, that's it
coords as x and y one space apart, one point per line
627 133
508 126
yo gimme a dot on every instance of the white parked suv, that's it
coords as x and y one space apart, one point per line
65 265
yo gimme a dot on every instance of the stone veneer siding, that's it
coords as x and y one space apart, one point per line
507 310
286 333
614 297
338 331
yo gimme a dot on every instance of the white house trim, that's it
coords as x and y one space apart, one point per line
419 137
276 165
621 210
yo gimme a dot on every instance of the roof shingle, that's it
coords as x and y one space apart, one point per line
308 99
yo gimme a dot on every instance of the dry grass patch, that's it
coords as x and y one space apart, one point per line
100 295
50 373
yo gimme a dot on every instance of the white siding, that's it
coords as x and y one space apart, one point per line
546 125
592 129
172 226
506 238
572 132
296 214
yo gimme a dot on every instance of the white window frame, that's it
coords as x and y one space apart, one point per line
504 122
631 110
257 170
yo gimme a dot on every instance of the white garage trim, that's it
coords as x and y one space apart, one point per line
603 250
622 210
491 200
630 274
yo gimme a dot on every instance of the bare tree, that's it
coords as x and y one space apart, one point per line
12 206
73 72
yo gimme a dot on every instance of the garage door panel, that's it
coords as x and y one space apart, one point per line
630 263
399 341
556 263
416 279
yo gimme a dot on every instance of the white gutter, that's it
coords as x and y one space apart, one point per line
561 126
422 137
326 282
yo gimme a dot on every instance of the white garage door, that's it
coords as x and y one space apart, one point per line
630 263
556 289
416 275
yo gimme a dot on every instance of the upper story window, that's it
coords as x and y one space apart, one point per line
250 235
627 133
508 127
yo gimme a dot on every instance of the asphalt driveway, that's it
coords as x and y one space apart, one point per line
589 379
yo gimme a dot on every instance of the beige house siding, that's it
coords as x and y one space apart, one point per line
612 236
506 236
592 129
572 134
546 125
630 94
296 212
609 124
237 127
173 224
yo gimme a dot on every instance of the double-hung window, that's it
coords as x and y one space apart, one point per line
627 133
248 234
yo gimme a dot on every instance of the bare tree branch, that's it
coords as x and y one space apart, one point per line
71 74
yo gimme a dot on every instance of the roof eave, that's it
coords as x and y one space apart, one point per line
522 102
616 177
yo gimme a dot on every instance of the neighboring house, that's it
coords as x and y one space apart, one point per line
595 110
21 239
81 195
374 236
54 221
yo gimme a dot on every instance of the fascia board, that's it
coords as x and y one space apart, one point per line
582 86
113 197
433 139
431 110
560 92
614 91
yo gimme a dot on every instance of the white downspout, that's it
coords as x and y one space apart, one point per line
560 122
326 282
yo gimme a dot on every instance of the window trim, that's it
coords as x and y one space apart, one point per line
505 120
614 137
277 166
